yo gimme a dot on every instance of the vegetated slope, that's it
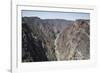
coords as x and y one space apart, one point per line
38 38
73 43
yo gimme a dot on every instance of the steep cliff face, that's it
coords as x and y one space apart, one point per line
73 43
38 38
54 39
32 49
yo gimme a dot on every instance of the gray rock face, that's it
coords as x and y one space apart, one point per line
73 43
38 38
54 39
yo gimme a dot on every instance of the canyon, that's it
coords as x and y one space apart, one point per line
55 39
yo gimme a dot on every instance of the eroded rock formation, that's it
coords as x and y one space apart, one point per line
54 39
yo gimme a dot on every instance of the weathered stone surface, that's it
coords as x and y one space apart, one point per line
74 42
54 39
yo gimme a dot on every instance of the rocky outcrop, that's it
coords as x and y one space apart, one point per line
73 43
32 49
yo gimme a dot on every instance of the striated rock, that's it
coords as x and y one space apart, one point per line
73 43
